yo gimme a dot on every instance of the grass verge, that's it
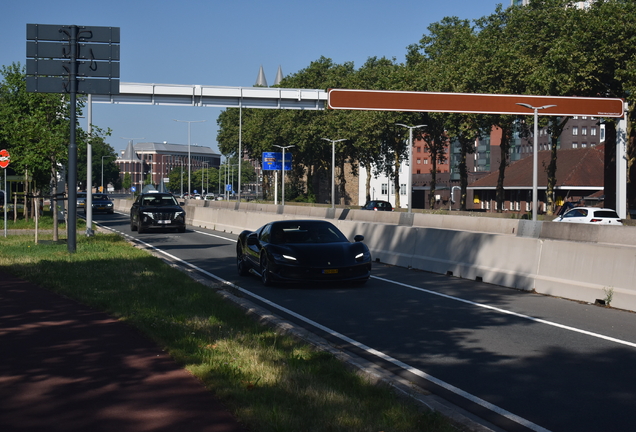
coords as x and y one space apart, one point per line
271 382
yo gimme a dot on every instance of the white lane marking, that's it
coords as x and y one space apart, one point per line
507 312
215 235
474 399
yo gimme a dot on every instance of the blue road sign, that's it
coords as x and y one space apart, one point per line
273 161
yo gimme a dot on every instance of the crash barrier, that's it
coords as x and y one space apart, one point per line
594 264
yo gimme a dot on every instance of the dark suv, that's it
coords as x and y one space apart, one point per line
156 210
378 206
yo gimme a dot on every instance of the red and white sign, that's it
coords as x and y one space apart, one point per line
380 100
5 158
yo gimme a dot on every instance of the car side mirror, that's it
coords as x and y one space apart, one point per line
182 203
358 238
252 239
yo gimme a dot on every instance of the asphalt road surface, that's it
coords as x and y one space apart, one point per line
521 361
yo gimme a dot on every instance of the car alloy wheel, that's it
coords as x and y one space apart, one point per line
266 277
241 265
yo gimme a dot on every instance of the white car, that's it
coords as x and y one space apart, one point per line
595 215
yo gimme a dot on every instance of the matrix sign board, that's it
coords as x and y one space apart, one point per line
272 161
59 54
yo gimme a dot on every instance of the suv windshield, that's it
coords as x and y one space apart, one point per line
158 200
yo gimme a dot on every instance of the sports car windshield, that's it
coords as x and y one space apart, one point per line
306 232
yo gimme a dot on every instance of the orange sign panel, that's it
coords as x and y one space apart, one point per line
472 103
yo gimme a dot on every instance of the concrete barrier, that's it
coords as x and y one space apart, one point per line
575 261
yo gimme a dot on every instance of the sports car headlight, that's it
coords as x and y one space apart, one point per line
363 256
283 257
148 214
179 214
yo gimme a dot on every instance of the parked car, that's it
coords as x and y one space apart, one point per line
81 199
101 203
595 215
302 251
157 210
378 206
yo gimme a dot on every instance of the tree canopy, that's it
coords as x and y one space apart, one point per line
546 48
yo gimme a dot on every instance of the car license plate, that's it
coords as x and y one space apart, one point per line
163 222
330 271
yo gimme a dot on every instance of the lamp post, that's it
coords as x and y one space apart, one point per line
202 175
102 183
409 178
283 169
189 122
333 169
181 162
535 157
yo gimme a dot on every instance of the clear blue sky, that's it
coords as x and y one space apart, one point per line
224 42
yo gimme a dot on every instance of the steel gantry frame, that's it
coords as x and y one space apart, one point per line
216 96
314 99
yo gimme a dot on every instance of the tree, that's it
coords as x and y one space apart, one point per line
35 128
127 181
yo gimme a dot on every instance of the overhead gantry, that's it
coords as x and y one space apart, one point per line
216 96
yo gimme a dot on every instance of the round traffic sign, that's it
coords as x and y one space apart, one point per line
5 158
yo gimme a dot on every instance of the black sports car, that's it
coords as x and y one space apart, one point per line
156 210
302 251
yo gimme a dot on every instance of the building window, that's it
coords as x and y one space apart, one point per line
575 145
385 189
425 161
583 130
583 145
419 161
593 131
575 130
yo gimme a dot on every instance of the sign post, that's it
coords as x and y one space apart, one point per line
54 66
5 158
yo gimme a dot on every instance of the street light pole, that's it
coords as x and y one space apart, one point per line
283 169
102 183
333 169
189 160
409 177
535 157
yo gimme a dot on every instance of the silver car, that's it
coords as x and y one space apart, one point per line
81 200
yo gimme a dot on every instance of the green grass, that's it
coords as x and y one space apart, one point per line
271 382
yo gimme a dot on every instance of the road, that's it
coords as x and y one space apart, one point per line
521 361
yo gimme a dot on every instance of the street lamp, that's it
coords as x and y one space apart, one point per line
102 183
202 175
409 178
283 169
189 164
333 169
535 157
